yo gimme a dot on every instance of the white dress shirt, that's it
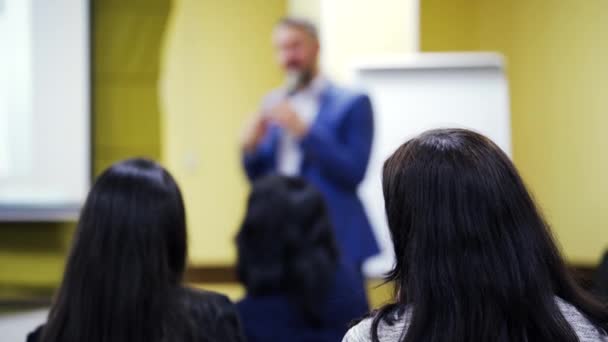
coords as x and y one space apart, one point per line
305 102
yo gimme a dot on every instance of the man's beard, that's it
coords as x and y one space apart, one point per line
298 79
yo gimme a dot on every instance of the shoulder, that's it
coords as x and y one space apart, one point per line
34 336
584 329
360 332
349 105
203 303
347 96
214 313
387 331
199 294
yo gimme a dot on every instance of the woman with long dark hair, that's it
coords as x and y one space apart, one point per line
298 288
475 260
123 278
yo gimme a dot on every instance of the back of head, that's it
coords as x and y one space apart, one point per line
474 258
286 244
127 257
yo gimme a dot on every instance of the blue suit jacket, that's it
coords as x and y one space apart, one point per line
335 155
275 318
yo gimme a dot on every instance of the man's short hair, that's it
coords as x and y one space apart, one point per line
301 24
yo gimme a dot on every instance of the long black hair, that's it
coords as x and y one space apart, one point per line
126 262
475 260
286 243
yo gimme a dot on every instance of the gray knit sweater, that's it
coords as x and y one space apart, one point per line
586 331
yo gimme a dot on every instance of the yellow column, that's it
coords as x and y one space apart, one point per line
217 64
355 29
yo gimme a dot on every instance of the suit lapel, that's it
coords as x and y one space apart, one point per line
323 117
325 104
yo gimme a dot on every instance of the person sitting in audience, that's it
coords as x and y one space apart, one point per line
298 288
475 260
123 278
600 286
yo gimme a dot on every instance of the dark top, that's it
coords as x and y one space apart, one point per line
213 313
274 318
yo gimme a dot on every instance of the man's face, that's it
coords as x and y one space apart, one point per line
296 49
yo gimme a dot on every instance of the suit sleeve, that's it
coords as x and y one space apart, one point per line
344 162
260 161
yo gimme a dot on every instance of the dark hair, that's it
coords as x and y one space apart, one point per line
127 260
475 260
300 24
286 243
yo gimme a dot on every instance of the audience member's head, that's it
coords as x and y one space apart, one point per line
286 243
123 277
475 260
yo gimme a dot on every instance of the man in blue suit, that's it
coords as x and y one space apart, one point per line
319 131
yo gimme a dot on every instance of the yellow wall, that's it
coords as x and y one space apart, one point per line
126 54
309 9
218 62
449 25
355 29
556 55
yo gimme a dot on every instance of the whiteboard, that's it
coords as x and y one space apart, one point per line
45 109
414 93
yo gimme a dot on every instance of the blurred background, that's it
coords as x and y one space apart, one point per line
174 80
